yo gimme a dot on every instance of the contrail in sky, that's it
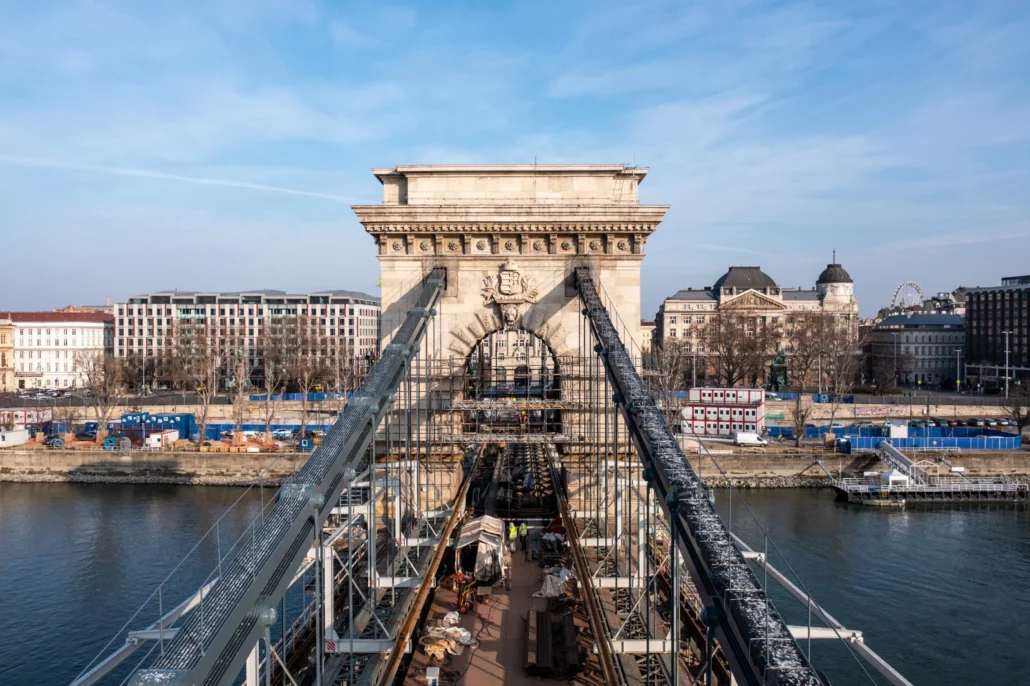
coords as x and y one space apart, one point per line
148 174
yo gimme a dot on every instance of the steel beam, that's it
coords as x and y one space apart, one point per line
364 645
210 650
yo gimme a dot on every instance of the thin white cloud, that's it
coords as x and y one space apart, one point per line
346 36
150 174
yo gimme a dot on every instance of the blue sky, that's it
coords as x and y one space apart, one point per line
218 144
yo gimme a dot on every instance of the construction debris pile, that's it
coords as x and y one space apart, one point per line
445 638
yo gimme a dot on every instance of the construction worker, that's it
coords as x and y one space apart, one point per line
512 535
524 536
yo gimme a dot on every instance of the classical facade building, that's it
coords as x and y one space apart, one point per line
6 354
750 292
927 346
145 325
47 344
990 312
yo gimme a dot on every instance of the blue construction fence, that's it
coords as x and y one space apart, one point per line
869 438
312 397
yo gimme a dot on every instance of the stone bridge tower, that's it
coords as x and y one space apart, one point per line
510 236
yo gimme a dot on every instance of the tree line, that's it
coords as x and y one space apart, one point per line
739 350
290 354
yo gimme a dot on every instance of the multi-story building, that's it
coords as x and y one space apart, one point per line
723 411
928 346
647 327
750 292
947 303
990 313
6 354
146 325
47 346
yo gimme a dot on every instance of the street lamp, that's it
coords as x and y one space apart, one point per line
1006 362
958 370
895 335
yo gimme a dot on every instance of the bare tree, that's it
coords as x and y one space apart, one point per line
197 366
804 335
275 352
841 357
1017 406
138 371
885 369
341 370
102 377
238 383
308 363
665 374
740 347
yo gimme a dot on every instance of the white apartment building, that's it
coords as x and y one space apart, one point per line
145 324
46 345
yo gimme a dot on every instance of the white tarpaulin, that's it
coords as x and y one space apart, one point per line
552 588
488 533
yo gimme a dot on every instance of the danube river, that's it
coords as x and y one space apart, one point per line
943 594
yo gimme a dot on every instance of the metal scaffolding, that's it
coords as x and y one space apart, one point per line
339 563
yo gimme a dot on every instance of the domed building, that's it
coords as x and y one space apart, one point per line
749 291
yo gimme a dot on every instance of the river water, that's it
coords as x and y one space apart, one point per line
943 594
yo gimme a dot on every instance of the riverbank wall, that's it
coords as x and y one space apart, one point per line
189 468
217 469
754 470
772 470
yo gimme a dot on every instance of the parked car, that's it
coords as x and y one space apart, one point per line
953 423
1004 421
974 421
990 422
771 396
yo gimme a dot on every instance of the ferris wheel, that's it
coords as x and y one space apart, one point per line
907 294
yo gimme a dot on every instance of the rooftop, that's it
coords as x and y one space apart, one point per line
744 277
509 184
57 316
922 320
265 292
694 294
834 273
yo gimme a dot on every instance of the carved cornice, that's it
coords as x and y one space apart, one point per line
539 218
405 231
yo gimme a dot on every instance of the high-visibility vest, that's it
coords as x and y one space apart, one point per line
511 532
523 529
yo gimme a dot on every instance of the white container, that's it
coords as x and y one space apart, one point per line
162 439
13 437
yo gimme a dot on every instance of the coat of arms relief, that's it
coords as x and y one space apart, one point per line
509 290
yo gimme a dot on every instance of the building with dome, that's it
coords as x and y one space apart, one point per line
748 291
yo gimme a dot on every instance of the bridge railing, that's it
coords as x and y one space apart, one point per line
234 610
183 578
754 637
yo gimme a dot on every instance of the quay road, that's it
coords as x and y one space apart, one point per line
70 550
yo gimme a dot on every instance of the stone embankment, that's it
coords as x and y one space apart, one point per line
140 467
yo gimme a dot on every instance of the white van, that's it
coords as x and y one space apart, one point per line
749 439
